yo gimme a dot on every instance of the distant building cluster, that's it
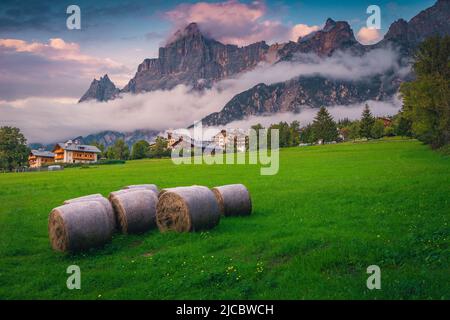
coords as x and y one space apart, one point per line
223 140
233 139
68 152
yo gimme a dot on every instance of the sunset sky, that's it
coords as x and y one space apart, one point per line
39 56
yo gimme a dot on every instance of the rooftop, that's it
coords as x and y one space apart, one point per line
78 147
42 153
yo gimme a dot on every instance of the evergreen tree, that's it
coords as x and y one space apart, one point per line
366 124
402 125
324 128
294 133
307 134
377 129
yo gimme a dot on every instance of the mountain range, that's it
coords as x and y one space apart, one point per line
107 138
195 60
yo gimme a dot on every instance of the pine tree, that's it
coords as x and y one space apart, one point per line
294 133
324 127
377 129
366 124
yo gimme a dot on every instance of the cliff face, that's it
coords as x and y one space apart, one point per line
429 22
101 90
336 35
292 95
195 60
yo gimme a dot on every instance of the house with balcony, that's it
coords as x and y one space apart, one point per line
73 152
40 157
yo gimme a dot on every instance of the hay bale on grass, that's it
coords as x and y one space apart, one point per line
90 196
233 200
152 187
135 209
98 197
79 225
185 209
162 191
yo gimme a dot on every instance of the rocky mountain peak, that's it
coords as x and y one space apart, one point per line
334 36
193 59
397 30
329 24
191 31
101 90
429 22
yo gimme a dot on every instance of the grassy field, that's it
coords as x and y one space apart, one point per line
329 213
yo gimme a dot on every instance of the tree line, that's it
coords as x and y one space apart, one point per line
139 150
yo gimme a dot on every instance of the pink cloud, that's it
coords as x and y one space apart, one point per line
301 30
30 68
233 22
58 51
368 35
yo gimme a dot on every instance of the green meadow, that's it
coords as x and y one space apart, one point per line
329 213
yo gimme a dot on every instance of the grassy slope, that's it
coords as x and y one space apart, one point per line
329 213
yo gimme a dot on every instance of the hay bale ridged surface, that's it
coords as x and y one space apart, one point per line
186 209
90 196
152 187
135 209
79 225
233 200
98 197
162 191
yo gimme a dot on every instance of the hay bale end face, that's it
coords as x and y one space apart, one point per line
186 209
233 200
78 226
98 197
152 187
135 209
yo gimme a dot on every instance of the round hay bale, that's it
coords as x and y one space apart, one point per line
186 209
152 187
90 196
233 200
98 197
122 191
135 209
162 191
79 225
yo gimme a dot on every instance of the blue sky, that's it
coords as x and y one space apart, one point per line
120 34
